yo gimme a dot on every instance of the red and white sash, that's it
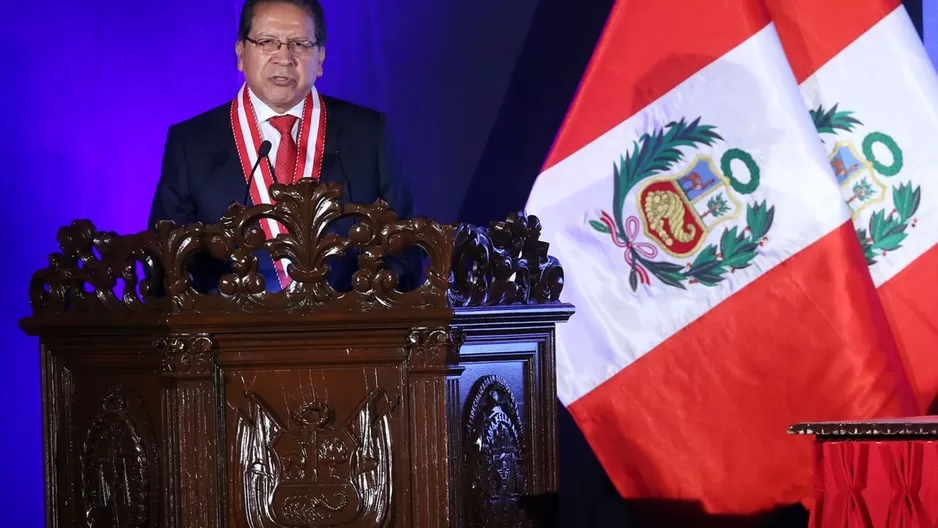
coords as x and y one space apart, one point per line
310 146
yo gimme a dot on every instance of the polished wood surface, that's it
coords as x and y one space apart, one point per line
166 407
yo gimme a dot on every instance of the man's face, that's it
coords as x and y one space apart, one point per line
281 79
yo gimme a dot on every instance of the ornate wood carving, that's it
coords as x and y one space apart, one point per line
506 263
98 271
433 351
310 472
189 407
187 354
434 347
107 264
120 470
495 456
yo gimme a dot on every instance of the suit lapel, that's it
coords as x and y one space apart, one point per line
217 176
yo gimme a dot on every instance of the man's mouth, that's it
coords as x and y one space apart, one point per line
281 80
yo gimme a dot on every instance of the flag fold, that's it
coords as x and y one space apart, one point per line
721 291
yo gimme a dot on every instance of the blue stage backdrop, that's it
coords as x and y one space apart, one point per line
928 10
91 87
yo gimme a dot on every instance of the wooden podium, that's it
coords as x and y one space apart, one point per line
164 407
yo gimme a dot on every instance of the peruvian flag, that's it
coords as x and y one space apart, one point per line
720 288
873 96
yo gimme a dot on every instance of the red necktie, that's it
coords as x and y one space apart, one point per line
286 152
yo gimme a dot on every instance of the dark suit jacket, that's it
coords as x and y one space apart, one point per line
202 176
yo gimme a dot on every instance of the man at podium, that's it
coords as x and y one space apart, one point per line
218 157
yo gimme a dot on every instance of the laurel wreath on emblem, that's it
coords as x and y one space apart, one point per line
656 153
885 232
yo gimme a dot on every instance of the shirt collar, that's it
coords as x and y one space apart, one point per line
264 112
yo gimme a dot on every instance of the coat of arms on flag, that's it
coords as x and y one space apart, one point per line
859 175
678 211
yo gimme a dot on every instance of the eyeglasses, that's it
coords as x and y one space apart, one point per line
271 46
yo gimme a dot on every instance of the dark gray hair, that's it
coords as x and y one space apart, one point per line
310 6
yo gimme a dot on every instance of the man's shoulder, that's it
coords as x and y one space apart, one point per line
353 113
216 120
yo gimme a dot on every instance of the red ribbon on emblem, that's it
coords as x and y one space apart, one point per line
646 249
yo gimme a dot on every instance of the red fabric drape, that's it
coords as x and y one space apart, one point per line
890 484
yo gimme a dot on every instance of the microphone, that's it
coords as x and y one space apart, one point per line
273 174
262 153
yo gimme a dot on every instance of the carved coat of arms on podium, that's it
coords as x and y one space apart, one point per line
310 471
680 205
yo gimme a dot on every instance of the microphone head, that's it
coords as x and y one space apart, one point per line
264 150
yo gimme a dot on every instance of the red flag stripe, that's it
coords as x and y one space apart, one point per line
814 31
647 48
912 308
706 412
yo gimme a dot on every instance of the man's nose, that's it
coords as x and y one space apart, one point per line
284 55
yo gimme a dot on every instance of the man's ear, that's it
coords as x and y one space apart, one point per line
239 51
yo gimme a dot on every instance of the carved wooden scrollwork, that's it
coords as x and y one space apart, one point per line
312 472
97 271
152 271
434 347
506 263
120 468
187 353
494 447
